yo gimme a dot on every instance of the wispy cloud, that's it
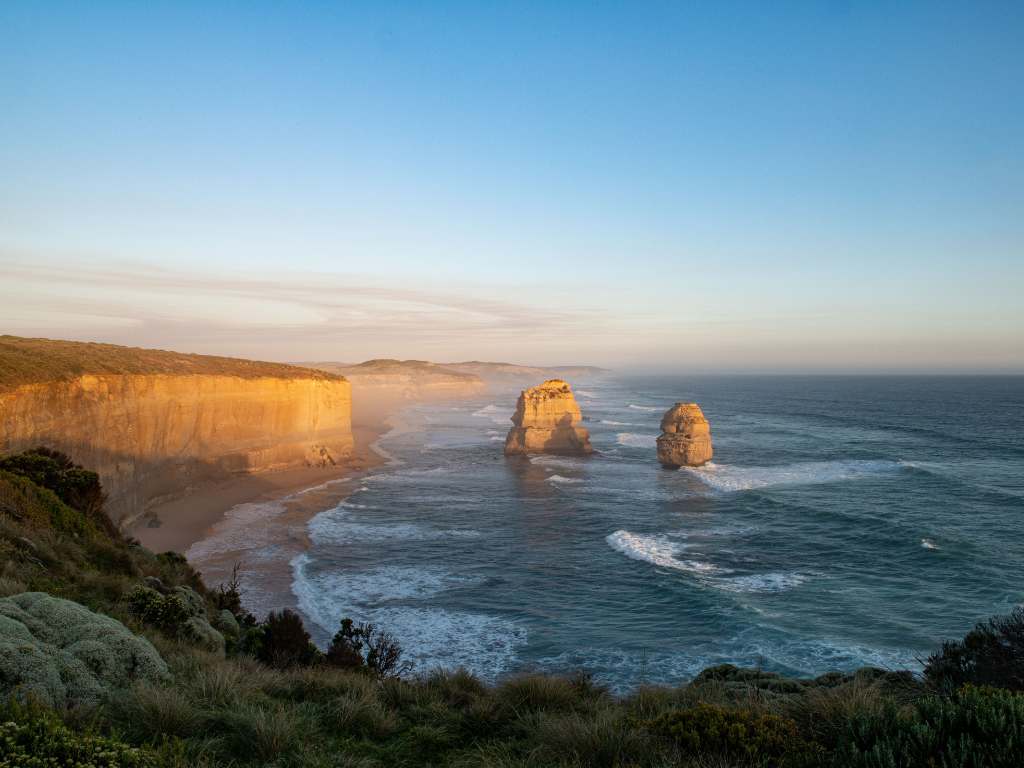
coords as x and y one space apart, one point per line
297 315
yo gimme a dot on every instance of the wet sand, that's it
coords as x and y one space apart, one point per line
178 524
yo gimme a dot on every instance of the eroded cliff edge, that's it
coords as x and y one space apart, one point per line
155 436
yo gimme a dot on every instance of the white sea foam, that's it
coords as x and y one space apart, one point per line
762 582
632 440
929 544
373 587
496 439
561 480
642 407
244 528
657 550
335 527
433 637
726 477
613 423
562 462
493 412
586 393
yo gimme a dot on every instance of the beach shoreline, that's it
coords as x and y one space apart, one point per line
185 521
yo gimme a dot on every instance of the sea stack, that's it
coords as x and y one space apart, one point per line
685 439
547 421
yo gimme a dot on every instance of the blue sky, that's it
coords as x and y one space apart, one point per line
762 186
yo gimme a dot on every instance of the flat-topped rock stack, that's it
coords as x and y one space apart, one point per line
547 420
685 439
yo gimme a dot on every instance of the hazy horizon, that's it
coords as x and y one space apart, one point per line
728 189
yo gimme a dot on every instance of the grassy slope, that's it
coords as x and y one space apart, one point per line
30 361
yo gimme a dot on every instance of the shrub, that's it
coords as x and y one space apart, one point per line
32 737
990 654
77 487
364 646
67 655
228 596
976 728
286 642
737 734
168 613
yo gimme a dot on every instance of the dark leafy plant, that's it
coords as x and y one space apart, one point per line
285 641
365 646
977 727
77 487
990 654
169 613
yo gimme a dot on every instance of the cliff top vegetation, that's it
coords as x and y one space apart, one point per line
35 361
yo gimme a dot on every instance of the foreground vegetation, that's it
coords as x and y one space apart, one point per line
263 695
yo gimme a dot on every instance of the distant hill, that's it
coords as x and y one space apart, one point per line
512 372
392 366
421 378
405 379
34 361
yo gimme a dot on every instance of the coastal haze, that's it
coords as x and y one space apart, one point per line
524 385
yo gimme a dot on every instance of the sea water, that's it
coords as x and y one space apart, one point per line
843 522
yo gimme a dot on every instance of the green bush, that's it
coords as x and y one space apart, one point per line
990 654
736 734
974 728
31 737
286 642
77 487
168 613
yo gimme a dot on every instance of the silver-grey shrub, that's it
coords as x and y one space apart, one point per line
65 655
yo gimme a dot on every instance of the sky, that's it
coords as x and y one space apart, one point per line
686 187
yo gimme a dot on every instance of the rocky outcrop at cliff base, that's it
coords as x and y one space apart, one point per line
547 420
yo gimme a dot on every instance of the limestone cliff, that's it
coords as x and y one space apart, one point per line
153 436
685 439
546 421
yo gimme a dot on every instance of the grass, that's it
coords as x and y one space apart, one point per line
34 361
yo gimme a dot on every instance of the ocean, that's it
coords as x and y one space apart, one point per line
844 521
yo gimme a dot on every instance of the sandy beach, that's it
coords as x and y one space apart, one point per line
178 524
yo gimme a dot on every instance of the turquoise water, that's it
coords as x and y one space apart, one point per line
843 522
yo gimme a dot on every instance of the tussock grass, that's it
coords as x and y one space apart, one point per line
538 692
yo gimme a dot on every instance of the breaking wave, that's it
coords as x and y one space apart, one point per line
656 550
726 478
663 552
642 407
493 412
632 440
433 638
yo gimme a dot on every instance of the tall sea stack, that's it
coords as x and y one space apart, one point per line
546 421
685 439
